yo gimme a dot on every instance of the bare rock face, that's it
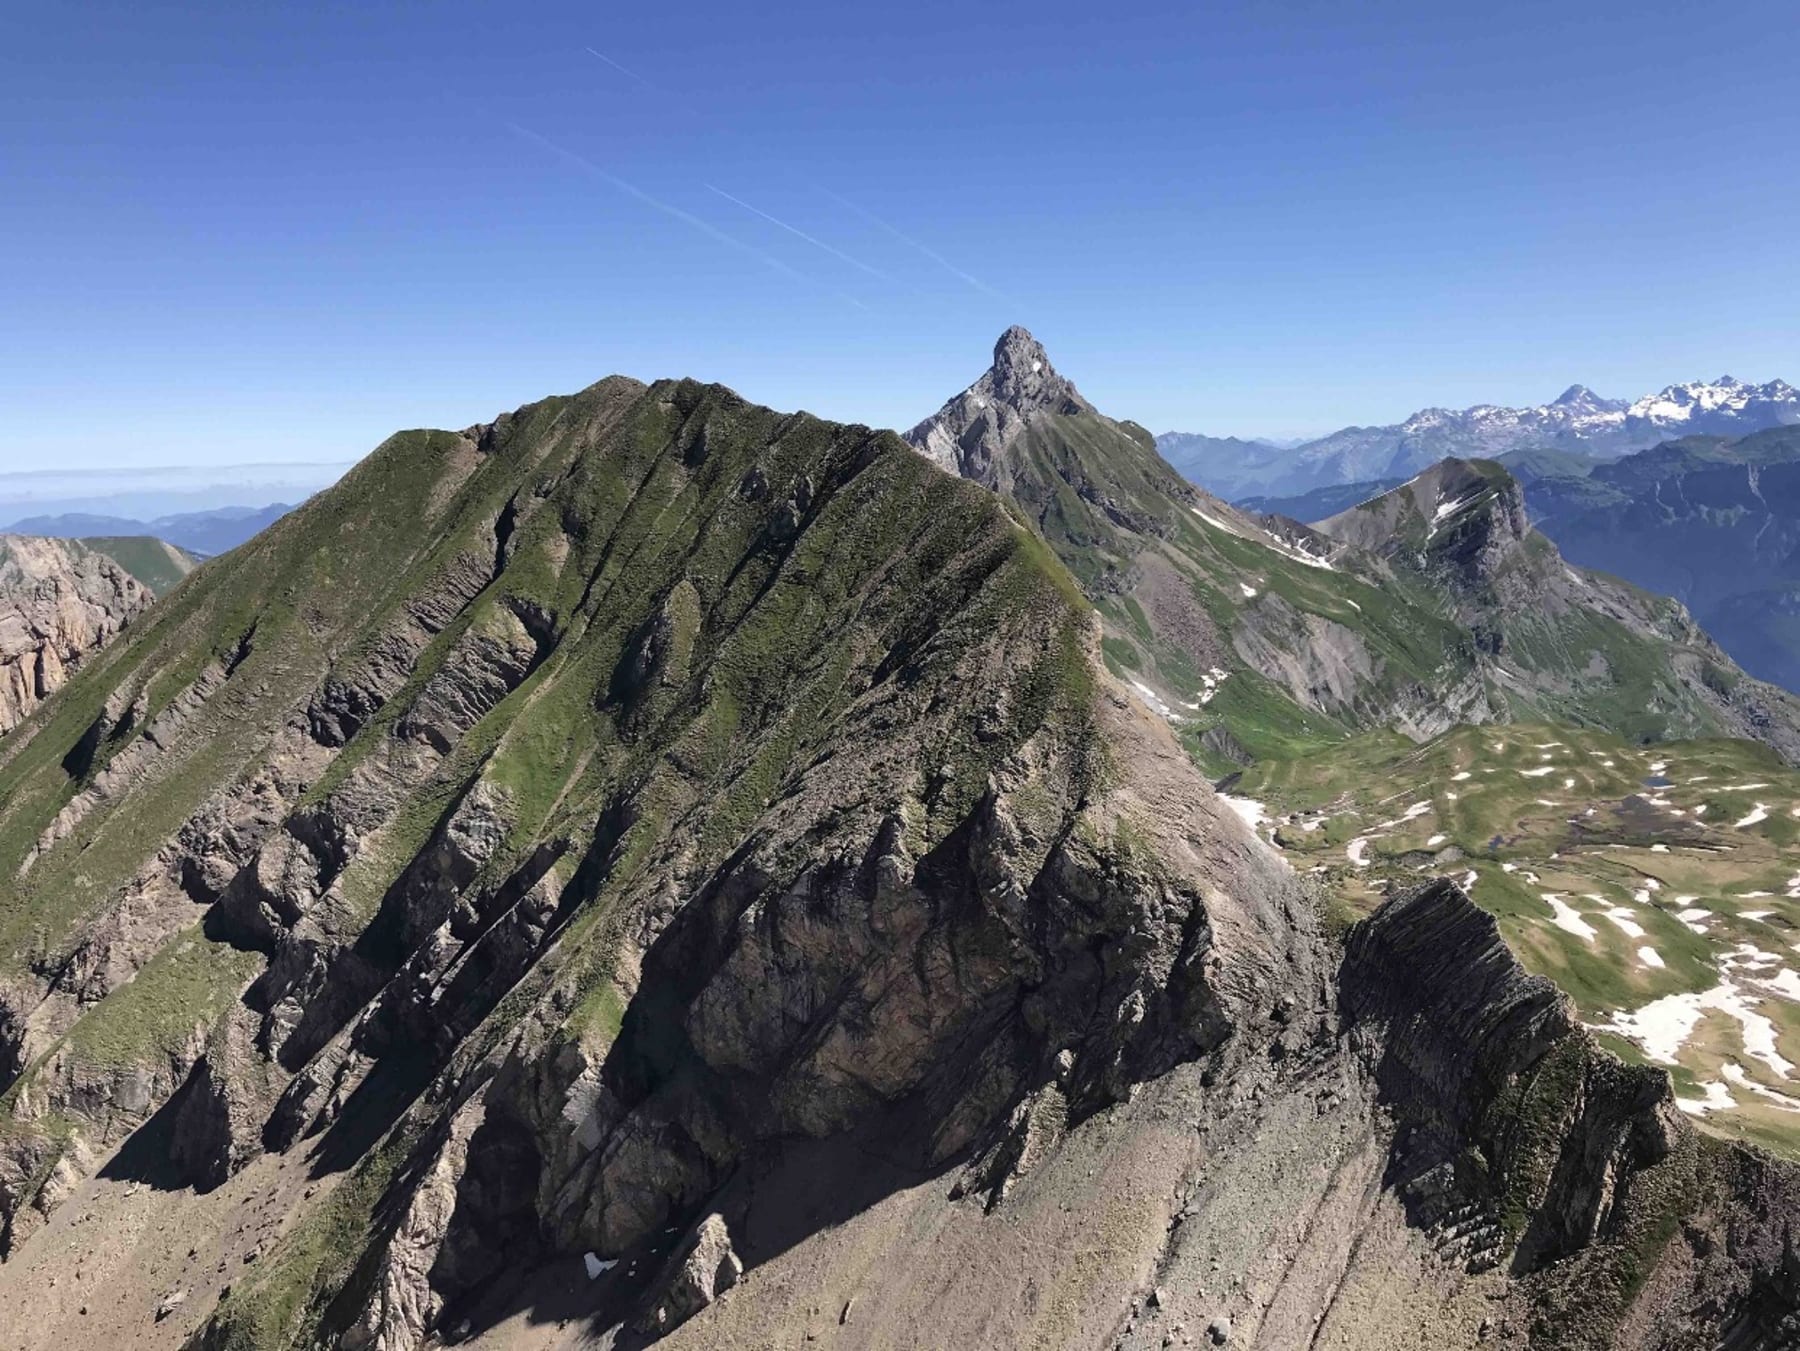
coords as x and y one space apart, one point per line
1519 1144
709 1269
967 434
59 602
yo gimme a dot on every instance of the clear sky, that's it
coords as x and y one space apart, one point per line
243 232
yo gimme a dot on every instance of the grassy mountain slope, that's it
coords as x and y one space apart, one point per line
1656 886
156 563
1560 643
649 843
660 775
1239 630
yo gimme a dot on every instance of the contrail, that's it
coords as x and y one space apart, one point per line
623 70
870 216
929 252
668 209
816 243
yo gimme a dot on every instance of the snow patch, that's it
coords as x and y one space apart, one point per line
1626 919
1735 1072
1716 1100
1249 810
1568 918
1155 701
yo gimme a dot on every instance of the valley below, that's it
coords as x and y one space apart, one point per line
1658 886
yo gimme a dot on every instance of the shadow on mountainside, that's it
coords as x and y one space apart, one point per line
147 1154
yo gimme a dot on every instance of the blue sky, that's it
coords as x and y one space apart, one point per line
258 232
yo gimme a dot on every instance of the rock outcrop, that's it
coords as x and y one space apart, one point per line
1523 1145
60 602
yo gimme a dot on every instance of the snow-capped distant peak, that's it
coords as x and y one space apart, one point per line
1578 420
1726 395
1581 399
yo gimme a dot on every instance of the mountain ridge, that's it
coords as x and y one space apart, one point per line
1467 522
1255 635
598 872
1577 420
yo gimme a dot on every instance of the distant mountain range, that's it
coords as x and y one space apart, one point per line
1227 465
1712 522
1578 420
202 533
144 493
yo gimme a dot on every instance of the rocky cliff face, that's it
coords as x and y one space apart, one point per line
1533 1152
60 601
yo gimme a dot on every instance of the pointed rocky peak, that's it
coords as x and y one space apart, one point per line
968 433
1581 399
1023 378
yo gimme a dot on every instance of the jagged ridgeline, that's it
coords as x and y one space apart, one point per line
537 824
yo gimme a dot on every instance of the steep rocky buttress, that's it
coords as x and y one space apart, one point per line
60 602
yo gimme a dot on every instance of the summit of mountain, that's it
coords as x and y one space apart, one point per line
1560 643
969 434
